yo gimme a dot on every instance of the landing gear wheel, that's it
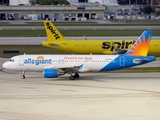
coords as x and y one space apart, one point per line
71 77
76 75
23 76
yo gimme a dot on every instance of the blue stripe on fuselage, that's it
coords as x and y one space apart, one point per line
123 61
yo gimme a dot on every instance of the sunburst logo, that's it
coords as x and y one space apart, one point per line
140 48
40 58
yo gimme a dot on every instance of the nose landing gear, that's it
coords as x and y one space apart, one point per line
23 75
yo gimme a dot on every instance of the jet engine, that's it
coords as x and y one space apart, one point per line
50 73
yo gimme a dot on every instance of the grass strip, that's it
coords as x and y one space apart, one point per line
36 33
28 49
68 23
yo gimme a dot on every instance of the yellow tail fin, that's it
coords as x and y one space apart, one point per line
52 33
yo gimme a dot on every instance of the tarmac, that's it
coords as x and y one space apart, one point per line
100 96
94 96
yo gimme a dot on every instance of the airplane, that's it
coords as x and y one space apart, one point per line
56 65
58 42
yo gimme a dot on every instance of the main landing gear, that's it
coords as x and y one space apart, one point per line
23 75
72 77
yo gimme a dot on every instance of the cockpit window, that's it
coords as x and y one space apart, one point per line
11 60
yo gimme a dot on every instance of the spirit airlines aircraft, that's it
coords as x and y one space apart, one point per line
56 65
58 42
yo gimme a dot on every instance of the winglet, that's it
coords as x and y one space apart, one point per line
141 46
85 37
52 33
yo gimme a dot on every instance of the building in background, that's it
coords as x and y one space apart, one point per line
121 2
102 2
4 2
106 2
14 2
77 1
82 0
139 2
18 2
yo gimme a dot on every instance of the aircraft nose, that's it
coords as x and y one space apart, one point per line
5 65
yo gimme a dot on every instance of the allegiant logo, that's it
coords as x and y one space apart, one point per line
56 36
38 61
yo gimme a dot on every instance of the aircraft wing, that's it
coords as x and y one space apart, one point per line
69 68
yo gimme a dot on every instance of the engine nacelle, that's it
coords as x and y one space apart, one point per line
50 73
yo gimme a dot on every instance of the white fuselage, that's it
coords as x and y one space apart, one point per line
39 62
56 65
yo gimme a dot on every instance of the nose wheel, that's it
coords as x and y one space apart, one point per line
23 75
72 77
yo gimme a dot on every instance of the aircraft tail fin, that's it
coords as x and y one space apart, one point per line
52 33
141 46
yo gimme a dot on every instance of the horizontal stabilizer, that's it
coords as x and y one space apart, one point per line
143 60
54 45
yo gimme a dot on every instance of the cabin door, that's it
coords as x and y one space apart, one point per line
21 61
122 61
